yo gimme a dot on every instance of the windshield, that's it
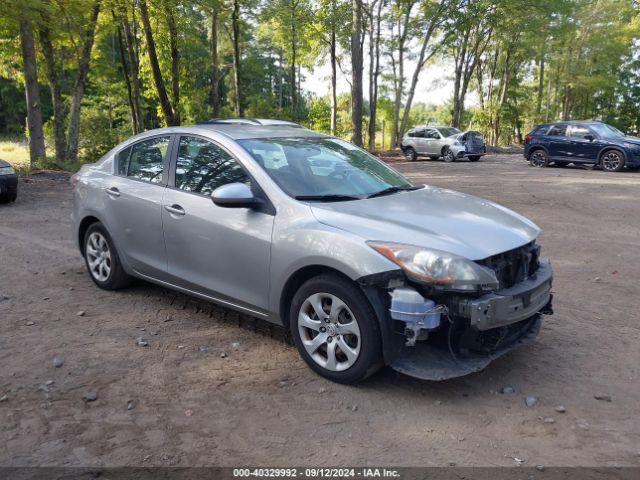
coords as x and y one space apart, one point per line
448 131
606 131
323 167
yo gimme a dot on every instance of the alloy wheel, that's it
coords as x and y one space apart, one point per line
611 161
538 159
329 331
98 256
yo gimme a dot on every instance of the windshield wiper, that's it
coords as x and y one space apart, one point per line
390 190
327 198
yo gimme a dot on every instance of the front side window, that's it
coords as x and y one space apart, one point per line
202 166
578 131
607 131
558 131
146 159
449 131
321 167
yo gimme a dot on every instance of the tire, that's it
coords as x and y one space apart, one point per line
539 158
447 155
354 314
410 154
108 273
474 158
612 161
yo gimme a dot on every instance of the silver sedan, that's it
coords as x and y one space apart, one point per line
308 231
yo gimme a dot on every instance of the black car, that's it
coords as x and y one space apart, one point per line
8 183
582 142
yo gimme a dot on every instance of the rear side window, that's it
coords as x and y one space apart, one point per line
558 131
145 160
123 161
202 166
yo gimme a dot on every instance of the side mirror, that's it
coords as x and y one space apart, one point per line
235 195
589 137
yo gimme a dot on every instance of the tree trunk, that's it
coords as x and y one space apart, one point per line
175 64
59 110
165 104
235 27
134 66
334 76
215 64
127 77
540 86
416 74
356 74
374 71
73 129
32 92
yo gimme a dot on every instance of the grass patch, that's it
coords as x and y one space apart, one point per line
16 153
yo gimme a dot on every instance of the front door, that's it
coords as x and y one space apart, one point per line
432 141
133 199
585 145
220 252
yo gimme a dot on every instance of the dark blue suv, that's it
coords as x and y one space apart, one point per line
582 142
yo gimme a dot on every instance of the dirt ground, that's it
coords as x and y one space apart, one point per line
213 389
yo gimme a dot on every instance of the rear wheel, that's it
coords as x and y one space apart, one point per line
410 154
102 260
539 158
612 161
448 155
336 329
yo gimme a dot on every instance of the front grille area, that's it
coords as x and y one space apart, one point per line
515 265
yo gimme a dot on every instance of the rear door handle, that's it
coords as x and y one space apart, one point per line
113 191
175 209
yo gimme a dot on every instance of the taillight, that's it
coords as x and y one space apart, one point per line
74 181
528 137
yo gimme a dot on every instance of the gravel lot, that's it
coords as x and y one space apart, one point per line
215 389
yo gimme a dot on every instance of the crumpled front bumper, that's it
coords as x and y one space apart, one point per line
435 362
513 316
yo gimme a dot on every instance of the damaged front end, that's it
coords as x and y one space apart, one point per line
437 333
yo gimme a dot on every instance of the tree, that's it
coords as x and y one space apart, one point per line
167 109
34 114
357 38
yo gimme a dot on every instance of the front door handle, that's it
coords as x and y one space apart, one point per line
113 191
175 209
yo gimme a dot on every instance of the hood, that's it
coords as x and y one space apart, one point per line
432 217
4 164
630 139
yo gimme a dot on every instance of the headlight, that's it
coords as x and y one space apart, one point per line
7 171
437 268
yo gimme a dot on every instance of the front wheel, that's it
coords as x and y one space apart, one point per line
102 260
335 329
612 161
410 154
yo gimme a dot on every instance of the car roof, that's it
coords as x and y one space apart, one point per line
573 122
239 130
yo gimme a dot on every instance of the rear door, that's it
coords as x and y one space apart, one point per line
585 144
220 252
133 204
432 140
559 144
